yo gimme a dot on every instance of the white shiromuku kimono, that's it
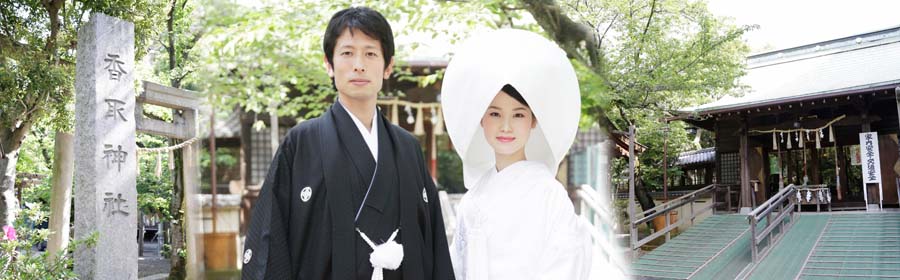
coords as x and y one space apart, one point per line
519 224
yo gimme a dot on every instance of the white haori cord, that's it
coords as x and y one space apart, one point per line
388 255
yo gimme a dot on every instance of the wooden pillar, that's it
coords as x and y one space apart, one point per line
815 174
760 165
897 164
805 179
789 167
247 147
631 207
897 99
666 165
841 170
888 155
746 188
780 170
717 156
213 185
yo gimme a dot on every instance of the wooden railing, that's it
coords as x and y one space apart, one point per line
764 211
730 204
666 208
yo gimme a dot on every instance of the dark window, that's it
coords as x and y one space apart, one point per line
730 167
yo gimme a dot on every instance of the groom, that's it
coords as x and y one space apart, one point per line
349 183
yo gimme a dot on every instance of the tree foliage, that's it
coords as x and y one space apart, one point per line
18 260
154 192
254 57
637 61
642 60
38 40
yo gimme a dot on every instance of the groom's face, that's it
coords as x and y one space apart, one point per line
358 69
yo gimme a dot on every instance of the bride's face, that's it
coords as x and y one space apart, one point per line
507 125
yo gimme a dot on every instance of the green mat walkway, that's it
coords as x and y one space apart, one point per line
818 246
790 253
856 246
686 254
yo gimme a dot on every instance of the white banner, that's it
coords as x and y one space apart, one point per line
871 163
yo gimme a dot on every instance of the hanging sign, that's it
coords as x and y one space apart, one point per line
871 165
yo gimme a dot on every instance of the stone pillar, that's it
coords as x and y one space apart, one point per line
105 166
193 210
61 196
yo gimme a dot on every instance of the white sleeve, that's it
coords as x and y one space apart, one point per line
568 247
457 249
469 252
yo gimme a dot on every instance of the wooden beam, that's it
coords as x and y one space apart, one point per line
159 127
182 127
169 97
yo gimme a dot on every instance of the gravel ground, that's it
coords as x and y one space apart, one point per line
152 265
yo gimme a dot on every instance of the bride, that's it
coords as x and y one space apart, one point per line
511 104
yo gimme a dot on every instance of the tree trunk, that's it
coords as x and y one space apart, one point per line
178 261
170 27
9 205
568 34
643 196
697 137
53 7
10 141
178 270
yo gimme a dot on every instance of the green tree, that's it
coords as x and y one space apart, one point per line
642 60
256 57
38 40
655 54
179 40
18 260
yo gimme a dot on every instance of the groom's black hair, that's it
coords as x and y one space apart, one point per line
364 19
512 92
